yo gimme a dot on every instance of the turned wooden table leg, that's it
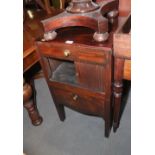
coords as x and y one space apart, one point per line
118 88
30 104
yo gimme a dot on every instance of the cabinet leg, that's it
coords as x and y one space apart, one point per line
118 88
59 107
117 108
30 104
61 111
107 128
108 119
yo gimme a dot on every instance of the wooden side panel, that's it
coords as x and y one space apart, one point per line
90 75
76 52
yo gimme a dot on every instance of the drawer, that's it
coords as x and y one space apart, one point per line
82 101
94 56
57 51
75 52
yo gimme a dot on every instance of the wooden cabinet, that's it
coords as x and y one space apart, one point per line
78 74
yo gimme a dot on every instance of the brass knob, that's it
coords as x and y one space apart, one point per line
75 97
67 53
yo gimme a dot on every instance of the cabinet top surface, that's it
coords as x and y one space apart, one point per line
79 35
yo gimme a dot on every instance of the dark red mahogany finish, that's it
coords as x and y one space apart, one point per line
101 17
122 64
30 104
78 67
85 85
32 28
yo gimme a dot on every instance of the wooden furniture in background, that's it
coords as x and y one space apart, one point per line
122 56
59 3
32 28
45 5
122 64
29 100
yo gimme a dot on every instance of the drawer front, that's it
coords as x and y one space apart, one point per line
92 56
75 52
57 51
84 102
